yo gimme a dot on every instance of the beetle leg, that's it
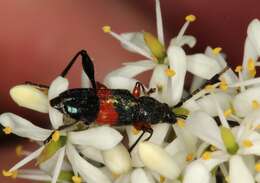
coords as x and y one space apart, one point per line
137 90
87 65
144 127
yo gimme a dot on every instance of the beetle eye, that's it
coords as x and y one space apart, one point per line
71 110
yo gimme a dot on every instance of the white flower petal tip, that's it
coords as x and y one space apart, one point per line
22 127
196 172
207 103
117 159
185 40
198 121
102 138
30 97
243 102
238 171
140 176
253 32
202 66
157 159
58 86
177 61
87 171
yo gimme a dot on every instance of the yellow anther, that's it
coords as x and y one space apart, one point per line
190 18
170 72
55 136
227 179
19 150
162 179
257 127
206 155
228 112
106 29
213 148
76 179
7 130
251 67
223 85
209 88
217 50
115 175
181 123
12 174
255 104
257 167
189 157
238 68
247 143
135 131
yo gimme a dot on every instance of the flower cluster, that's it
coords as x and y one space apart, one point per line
217 141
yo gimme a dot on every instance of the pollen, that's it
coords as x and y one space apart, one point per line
255 104
76 179
189 157
238 69
251 67
206 155
162 179
217 50
181 123
19 150
170 72
56 136
7 130
228 112
209 88
115 175
106 29
190 18
12 174
247 143
257 127
135 131
257 167
223 85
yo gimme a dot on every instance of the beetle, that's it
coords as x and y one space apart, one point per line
115 107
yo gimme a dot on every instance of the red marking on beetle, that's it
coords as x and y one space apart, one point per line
107 113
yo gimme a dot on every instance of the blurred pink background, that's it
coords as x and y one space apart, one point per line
39 37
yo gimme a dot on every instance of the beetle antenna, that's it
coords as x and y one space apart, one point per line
213 80
87 65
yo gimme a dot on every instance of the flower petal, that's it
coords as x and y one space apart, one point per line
101 138
87 171
185 40
58 86
202 66
30 97
198 121
238 171
157 159
125 178
139 176
57 169
253 32
196 172
177 61
207 103
217 158
136 38
23 127
117 159
197 82
242 102
91 153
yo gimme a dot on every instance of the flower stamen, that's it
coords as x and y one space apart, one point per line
207 155
162 179
135 131
251 67
181 123
189 157
257 167
238 69
7 130
19 150
255 104
223 85
12 174
55 136
76 179
217 50
190 18
247 143
228 112
170 72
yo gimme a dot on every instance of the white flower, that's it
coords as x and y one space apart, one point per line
169 66
94 137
